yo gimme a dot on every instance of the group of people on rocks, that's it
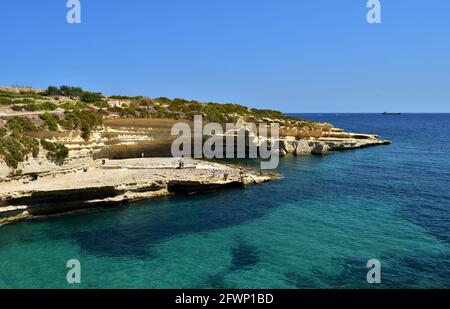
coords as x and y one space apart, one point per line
225 175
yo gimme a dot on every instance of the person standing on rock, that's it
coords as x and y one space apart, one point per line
241 174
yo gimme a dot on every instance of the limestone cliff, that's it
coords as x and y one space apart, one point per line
111 182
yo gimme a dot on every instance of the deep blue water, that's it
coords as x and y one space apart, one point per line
315 228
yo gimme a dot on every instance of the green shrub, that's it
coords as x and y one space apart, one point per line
71 91
55 152
67 91
17 108
120 97
6 94
145 102
70 121
163 100
73 106
31 144
85 121
115 109
90 97
6 101
15 173
101 104
47 106
16 148
29 94
131 111
24 101
50 120
19 124
52 91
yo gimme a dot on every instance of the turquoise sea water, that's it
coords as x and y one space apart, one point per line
315 228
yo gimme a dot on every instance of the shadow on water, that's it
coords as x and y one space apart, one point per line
244 256
157 221
181 214
134 230
405 273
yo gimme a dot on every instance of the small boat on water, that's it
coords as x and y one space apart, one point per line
386 113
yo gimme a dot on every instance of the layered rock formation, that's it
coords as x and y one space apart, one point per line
323 145
112 182
312 142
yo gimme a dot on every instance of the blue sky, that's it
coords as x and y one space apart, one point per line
291 55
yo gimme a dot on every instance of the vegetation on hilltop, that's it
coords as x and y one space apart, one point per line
64 91
20 93
72 108
75 98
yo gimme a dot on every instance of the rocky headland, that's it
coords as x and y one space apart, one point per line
65 149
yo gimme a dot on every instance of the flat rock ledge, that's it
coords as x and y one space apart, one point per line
112 182
333 141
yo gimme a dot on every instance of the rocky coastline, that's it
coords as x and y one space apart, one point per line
335 140
111 182
83 182
66 149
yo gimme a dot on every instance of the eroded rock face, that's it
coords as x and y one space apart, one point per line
320 148
328 139
288 146
112 182
303 148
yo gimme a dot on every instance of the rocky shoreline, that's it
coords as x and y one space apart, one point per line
84 183
334 140
111 182
66 149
